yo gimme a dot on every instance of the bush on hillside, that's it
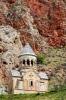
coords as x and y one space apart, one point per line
40 59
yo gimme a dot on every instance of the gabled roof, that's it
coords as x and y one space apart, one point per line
15 73
27 50
43 75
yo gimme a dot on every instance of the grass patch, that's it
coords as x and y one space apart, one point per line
53 95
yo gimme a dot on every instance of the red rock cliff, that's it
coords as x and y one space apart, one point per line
48 17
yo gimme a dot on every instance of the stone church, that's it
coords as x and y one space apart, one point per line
28 79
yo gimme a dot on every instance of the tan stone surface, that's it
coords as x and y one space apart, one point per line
10 45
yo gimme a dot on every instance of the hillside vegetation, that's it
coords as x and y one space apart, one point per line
53 58
54 64
56 57
56 95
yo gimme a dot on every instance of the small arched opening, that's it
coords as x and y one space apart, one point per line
31 83
23 62
28 62
32 62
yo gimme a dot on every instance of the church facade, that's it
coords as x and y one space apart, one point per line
28 79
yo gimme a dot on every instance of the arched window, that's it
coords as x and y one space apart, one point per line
31 83
23 62
32 62
28 62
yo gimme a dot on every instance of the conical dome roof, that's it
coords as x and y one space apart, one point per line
27 50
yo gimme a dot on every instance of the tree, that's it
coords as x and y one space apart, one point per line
40 59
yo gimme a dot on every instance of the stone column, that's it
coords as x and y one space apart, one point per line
30 63
25 62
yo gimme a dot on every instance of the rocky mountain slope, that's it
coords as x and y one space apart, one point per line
43 21
10 46
50 16
3 73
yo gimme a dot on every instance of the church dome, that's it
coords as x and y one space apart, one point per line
27 50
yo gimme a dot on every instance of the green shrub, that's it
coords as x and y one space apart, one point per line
40 59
